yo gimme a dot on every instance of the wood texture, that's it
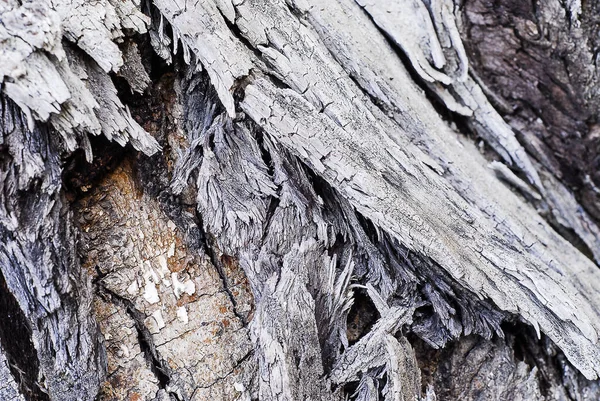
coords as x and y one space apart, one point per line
297 213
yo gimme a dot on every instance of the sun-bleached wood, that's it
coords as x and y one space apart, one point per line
305 151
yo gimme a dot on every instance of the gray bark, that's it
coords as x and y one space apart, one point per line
299 200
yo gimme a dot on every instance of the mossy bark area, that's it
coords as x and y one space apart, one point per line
291 200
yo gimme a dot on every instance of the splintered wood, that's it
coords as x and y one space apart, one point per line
301 175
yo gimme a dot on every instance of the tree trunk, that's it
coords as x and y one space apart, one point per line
299 200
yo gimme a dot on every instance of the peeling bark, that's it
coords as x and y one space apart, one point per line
298 200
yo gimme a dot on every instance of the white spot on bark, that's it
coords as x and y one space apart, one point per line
150 293
157 315
133 288
171 251
163 267
179 288
123 351
182 314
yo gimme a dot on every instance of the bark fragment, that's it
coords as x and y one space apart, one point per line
303 166
159 297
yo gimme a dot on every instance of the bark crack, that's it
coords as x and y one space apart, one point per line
226 375
158 366
208 245
274 200
16 343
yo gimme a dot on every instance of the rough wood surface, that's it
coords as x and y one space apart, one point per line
276 200
9 389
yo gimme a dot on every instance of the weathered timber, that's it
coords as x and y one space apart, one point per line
299 200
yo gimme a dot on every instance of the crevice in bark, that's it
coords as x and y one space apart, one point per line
15 338
382 381
242 82
235 30
155 65
428 359
226 285
243 359
361 318
266 156
378 378
338 245
155 173
157 365
377 102
273 200
542 353
211 250
436 102
350 389
570 235
239 87
79 175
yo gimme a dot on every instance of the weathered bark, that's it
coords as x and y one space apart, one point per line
299 200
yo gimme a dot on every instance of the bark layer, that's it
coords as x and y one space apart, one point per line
297 212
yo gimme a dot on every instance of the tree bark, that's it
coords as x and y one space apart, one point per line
299 200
